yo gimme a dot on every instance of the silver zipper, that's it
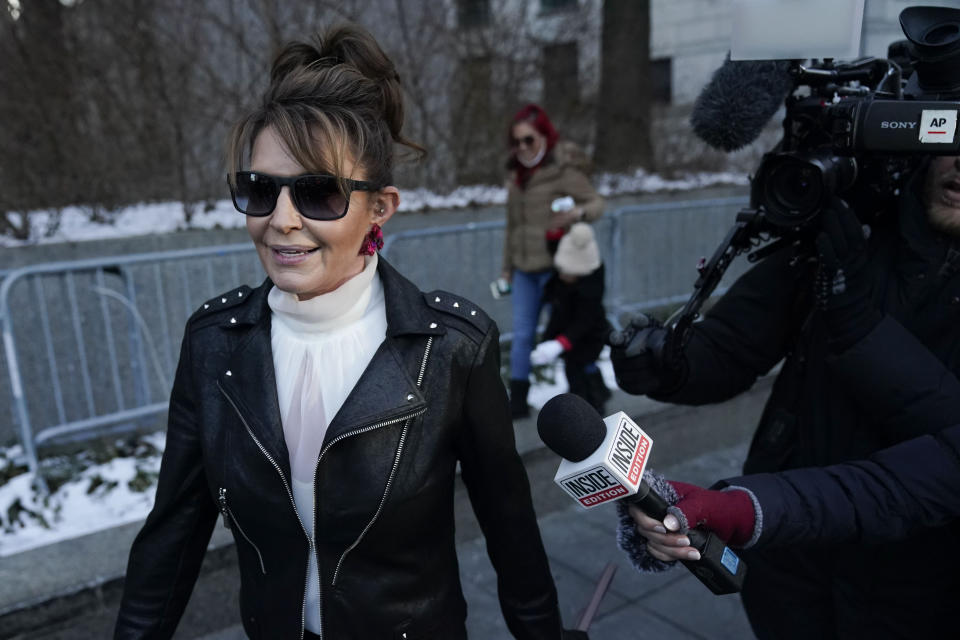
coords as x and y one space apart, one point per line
286 485
228 516
393 470
423 365
222 501
383 499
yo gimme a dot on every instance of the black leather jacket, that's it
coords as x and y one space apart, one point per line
430 397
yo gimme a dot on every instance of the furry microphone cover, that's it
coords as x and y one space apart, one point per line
739 100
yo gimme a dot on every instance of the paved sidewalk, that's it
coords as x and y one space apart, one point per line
71 590
672 605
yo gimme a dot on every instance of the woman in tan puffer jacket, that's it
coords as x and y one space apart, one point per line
545 176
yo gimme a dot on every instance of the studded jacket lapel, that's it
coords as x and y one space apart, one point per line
249 381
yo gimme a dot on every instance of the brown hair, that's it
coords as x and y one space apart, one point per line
336 96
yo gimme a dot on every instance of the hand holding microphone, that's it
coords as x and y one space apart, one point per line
732 514
604 461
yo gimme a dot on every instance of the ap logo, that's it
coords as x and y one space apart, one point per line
938 125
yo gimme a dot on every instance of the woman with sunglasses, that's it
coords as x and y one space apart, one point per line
323 414
542 172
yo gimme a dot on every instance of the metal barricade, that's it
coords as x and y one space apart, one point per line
462 259
93 344
654 249
650 252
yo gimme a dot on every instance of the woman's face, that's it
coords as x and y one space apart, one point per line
526 142
304 256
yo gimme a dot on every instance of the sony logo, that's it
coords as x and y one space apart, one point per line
893 124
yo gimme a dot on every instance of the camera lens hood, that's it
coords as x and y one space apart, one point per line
794 187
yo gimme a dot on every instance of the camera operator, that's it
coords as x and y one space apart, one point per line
870 333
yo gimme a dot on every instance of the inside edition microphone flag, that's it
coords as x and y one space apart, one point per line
604 461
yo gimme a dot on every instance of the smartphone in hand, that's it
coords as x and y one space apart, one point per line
500 288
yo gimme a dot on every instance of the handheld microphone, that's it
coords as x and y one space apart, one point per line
739 100
604 460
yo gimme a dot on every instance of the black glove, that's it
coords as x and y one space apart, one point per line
844 280
639 357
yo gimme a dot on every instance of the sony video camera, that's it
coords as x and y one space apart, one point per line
862 126
853 130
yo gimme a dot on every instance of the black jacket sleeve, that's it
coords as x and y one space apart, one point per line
166 555
744 335
903 387
499 491
895 492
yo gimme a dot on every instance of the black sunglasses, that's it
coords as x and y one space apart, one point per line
316 196
525 140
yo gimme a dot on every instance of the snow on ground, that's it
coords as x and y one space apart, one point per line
640 181
99 497
73 223
74 509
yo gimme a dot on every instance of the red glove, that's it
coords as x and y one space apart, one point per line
729 514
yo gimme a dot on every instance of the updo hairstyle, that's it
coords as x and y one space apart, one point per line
338 96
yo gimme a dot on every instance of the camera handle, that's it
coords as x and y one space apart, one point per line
744 235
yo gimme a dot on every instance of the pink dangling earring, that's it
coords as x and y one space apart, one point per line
373 241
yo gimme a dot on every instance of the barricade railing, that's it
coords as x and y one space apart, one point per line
93 344
650 252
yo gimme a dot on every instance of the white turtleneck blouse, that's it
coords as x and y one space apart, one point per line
321 346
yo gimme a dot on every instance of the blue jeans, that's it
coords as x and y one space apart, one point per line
527 297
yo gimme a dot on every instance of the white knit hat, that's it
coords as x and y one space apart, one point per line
577 254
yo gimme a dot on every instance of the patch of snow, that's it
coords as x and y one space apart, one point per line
473 195
73 509
543 390
642 182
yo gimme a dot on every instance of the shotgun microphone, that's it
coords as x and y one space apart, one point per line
739 100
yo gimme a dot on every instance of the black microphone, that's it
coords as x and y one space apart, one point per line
603 460
739 100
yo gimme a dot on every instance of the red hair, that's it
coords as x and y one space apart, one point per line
539 120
